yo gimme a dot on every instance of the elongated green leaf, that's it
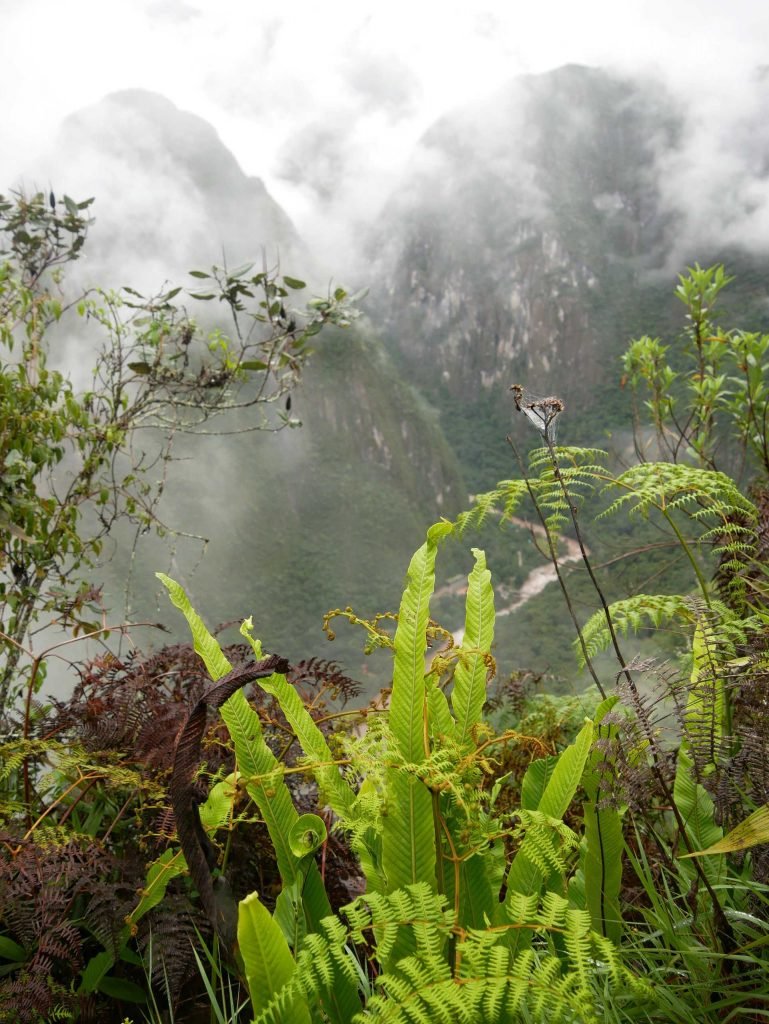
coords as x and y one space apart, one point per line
121 988
603 869
289 914
535 781
339 795
469 692
303 902
603 846
567 774
10 950
406 714
705 714
698 811
256 761
160 873
526 876
477 898
268 962
750 832
205 645
440 721
341 1001
408 836
265 785
264 781
408 840
334 789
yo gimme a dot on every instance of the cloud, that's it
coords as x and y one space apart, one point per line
715 180
327 102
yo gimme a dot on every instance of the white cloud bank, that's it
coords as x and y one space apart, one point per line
326 101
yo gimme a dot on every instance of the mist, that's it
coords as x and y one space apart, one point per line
327 105
321 141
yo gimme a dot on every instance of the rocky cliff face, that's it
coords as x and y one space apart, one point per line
516 245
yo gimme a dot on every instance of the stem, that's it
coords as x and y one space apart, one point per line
556 566
586 560
687 551
725 930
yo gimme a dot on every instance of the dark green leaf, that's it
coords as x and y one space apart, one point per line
119 988
11 950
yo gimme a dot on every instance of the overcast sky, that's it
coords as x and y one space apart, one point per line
273 78
382 70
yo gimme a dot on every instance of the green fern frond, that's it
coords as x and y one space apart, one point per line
570 455
548 841
382 917
469 690
558 485
668 485
633 613
323 954
14 753
503 501
567 974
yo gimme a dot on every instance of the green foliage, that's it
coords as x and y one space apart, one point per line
428 837
569 866
632 613
155 370
469 691
488 983
715 381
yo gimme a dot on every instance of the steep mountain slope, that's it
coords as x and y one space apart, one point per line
532 236
521 241
535 234
169 193
300 521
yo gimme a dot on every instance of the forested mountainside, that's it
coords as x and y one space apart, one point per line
545 796
530 238
301 521
534 234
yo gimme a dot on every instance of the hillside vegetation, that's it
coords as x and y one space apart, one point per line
213 831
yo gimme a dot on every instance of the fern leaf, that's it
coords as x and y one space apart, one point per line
566 776
205 644
750 832
408 839
603 844
698 811
535 781
528 869
469 692
334 789
439 717
264 783
268 962
407 700
603 868
631 613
